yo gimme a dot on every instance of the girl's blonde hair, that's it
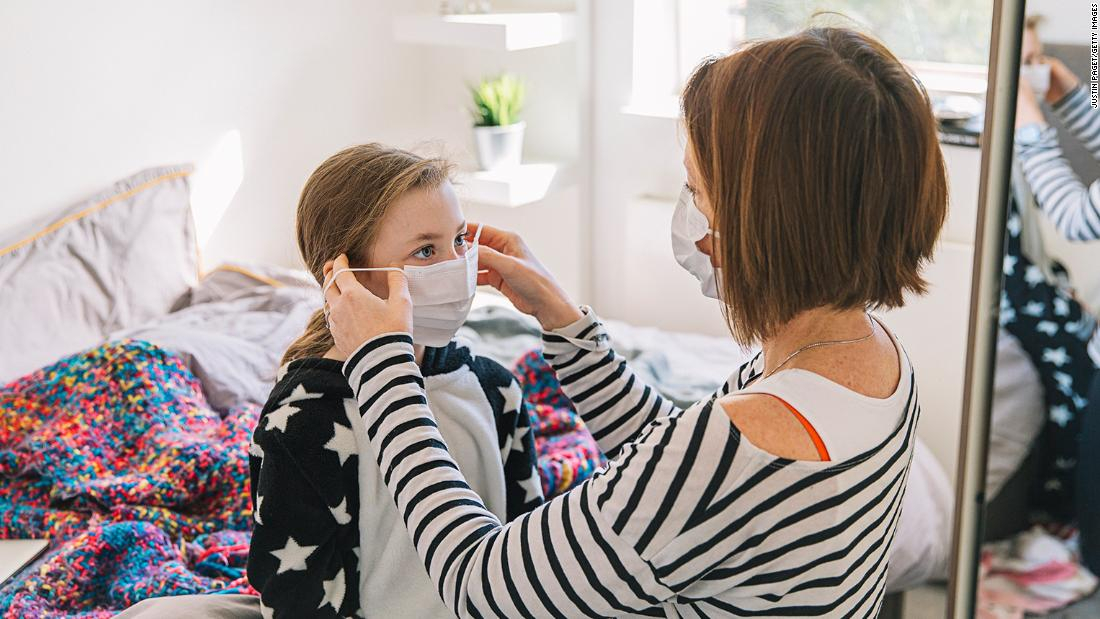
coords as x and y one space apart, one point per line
340 209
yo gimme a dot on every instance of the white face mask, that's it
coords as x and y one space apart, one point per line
441 295
690 225
1038 75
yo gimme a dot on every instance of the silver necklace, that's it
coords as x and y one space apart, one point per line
824 343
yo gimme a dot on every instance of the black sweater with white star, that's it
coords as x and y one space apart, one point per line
328 540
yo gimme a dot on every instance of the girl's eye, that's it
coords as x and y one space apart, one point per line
690 189
425 252
460 240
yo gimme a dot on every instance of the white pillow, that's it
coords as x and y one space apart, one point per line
115 260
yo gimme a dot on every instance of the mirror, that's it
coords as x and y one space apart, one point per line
1028 526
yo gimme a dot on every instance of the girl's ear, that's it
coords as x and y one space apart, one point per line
374 281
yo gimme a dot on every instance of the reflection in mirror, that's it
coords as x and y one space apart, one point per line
1041 534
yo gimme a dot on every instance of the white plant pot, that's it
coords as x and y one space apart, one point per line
499 147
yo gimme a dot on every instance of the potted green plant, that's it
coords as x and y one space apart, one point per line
498 132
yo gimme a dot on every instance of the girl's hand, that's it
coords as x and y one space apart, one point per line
1062 80
356 315
510 267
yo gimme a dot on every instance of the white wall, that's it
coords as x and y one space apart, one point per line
93 92
635 157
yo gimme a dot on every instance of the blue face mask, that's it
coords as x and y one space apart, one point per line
690 225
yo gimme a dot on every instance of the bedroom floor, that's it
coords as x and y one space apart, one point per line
930 602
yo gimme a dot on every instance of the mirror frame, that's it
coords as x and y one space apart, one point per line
985 292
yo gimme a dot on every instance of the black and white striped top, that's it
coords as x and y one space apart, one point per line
687 519
1073 208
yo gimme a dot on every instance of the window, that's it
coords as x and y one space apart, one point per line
946 42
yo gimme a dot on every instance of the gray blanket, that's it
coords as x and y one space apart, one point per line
234 328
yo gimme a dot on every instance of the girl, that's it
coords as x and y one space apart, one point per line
816 192
328 540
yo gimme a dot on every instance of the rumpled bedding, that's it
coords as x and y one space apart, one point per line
133 456
234 329
116 457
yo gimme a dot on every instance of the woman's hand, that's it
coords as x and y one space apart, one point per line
1062 80
505 263
356 315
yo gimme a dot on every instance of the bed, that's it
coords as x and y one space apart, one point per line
132 382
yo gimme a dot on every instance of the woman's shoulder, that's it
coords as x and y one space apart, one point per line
768 423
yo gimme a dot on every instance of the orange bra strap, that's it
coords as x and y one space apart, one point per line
818 443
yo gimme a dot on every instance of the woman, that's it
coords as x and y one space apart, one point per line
813 160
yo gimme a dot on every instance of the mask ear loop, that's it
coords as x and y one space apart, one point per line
329 282
477 241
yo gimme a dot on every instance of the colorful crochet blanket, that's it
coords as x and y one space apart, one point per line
566 450
114 455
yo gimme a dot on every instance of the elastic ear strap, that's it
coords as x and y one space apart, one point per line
477 235
328 284
355 270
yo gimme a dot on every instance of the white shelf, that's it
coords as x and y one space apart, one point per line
492 31
511 187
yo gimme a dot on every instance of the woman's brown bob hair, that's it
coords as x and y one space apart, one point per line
818 153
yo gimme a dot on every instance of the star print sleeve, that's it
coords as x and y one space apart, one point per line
299 555
522 483
563 559
614 403
1073 208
